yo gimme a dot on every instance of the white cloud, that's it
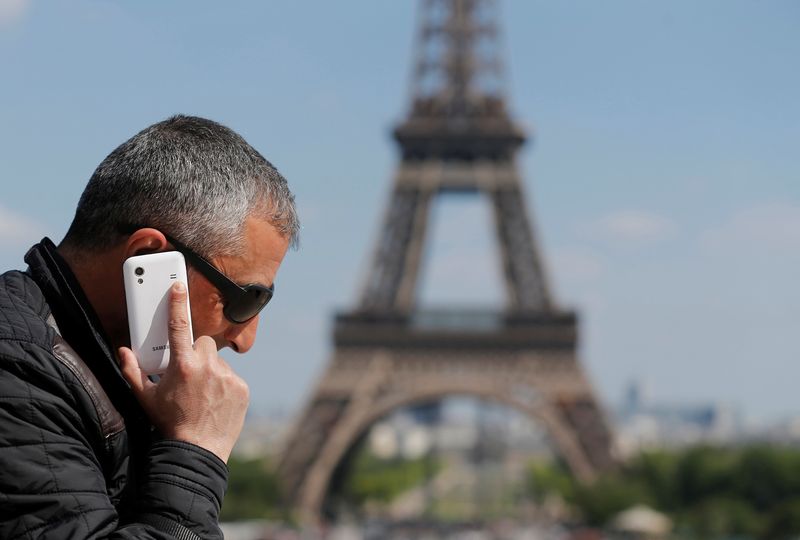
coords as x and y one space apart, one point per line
12 10
773 227
16 229
632 227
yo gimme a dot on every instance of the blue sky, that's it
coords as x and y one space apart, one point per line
662 174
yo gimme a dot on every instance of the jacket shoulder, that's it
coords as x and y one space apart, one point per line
23 311
32 350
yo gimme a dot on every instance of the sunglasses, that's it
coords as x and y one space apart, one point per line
241 302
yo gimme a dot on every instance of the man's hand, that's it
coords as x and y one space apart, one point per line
199 399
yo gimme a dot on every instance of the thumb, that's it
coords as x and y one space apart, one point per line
132 373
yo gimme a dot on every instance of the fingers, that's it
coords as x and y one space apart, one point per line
180 339
206 346
132 373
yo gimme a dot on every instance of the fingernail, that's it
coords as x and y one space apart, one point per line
179 287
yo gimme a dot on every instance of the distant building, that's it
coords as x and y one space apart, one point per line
643 424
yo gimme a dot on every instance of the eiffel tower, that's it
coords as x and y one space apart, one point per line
457 137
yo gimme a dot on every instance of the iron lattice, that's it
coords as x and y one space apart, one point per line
458 136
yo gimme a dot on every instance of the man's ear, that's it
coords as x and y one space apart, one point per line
144 241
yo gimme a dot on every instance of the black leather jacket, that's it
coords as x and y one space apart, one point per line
78 457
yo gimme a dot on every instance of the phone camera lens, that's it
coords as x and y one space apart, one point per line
139 271
141 281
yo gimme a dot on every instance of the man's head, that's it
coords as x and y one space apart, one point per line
200 183
191 177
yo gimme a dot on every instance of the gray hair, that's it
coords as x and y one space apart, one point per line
189 177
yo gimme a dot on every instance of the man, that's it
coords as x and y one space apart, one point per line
89 446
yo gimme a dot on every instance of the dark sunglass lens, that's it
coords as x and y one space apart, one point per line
248 305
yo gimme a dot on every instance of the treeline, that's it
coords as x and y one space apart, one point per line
709 492
254 490
378 480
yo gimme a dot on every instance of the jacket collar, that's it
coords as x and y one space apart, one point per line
78 323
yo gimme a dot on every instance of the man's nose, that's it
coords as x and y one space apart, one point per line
241 337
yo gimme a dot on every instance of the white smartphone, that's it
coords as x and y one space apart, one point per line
148 279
